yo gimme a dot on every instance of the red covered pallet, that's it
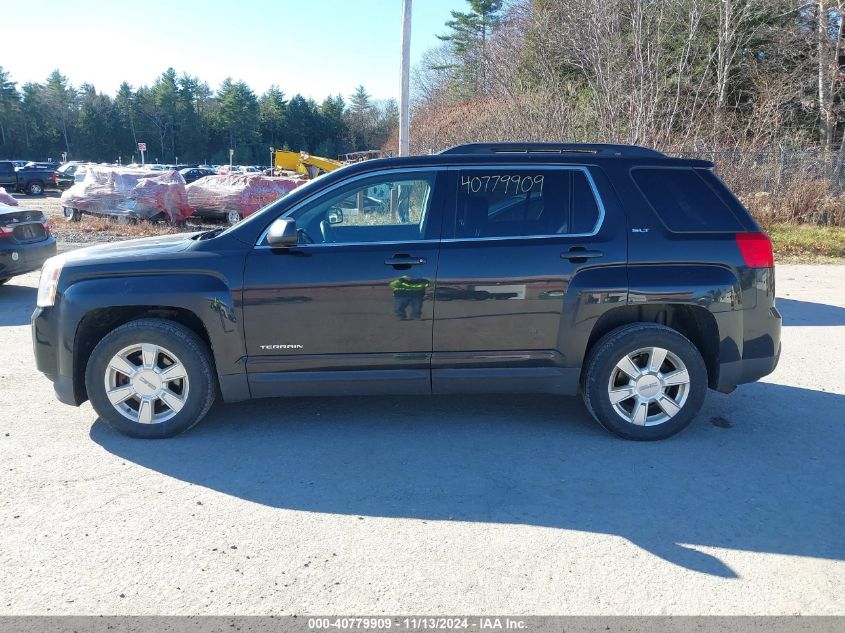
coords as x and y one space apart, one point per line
6 198
244 193
135 193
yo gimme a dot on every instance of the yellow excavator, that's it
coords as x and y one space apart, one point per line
304 163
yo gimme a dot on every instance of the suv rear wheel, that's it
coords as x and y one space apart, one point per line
644 381
151 378
35 188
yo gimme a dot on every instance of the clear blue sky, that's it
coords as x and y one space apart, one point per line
315 47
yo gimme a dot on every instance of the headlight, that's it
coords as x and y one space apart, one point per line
49 281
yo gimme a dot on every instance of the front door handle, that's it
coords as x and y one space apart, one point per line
579 253
404 261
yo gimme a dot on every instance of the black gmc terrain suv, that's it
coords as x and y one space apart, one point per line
637 279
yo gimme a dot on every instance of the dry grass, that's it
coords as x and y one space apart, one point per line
807 243
806 202
108 226
92 229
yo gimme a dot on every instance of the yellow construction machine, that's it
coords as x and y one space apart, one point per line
304 163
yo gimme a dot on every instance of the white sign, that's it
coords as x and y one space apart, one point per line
142 147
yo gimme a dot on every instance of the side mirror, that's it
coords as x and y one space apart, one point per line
335 216
283 233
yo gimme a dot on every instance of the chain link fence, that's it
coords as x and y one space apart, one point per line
782 184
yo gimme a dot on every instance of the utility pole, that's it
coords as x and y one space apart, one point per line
405 62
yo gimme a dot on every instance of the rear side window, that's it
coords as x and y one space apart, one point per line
524 203
7 169
684 200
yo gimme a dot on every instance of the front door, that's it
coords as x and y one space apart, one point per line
8 178
522 252
350 309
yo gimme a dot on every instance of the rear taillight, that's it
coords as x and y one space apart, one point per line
756 249
53 178
46 228
6 230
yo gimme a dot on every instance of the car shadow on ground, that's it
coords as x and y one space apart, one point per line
752 473
798 313
16 304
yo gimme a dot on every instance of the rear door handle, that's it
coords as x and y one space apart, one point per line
406 260
576 253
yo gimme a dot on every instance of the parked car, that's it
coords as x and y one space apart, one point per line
62 180
25 241
70 168
638 280
191 174
30 180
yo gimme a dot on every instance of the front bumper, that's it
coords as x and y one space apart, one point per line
52 358
17 259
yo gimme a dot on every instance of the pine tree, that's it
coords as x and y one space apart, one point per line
468 40
362 118
9 110
60 100
272 114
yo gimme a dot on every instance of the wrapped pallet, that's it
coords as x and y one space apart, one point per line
6 198
237 195
131 193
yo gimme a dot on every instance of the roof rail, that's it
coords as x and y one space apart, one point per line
598 149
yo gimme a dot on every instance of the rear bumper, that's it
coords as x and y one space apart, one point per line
17 259
761 348
746 370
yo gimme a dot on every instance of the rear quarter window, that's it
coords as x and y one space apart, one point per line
685 201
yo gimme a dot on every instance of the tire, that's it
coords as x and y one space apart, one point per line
233 217
71 214
660 404
160 417
35 188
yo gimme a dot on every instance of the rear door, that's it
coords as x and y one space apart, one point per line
527 252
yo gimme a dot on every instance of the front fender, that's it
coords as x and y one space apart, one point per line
205 296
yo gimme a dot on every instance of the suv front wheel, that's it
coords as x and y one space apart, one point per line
644 381
151 378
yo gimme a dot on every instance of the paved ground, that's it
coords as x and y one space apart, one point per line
455 505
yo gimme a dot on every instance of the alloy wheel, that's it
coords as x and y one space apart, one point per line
649 386
146 383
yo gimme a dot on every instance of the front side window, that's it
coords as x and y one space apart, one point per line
524 203
386 208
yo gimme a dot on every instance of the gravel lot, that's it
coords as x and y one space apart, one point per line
516 505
